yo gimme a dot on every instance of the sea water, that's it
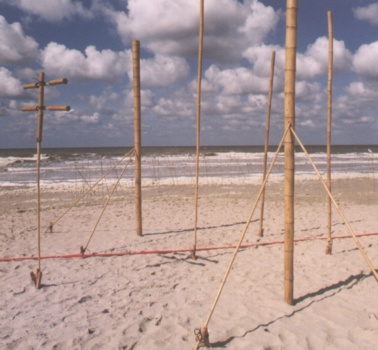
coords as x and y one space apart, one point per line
175 165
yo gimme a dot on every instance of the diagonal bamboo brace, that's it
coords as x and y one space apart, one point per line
358 244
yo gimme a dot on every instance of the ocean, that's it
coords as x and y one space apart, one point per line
173 165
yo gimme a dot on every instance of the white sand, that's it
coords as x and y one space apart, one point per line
156 301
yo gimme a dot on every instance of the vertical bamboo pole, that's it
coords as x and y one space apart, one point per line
329 129
41 87
137 136
198 134
261 231
289 172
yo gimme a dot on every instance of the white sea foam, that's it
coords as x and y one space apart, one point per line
174 167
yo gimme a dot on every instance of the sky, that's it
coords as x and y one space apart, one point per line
89 43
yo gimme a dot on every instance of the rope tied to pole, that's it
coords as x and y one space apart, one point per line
53 223
202 336
83 249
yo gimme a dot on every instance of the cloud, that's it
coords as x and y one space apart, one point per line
105 65
180 104
73 117
53 10
90 119
110 66
314 62
368 13
260 57
16 48
365 60
356 107
163 71
234 81
361 91
9 86
171 28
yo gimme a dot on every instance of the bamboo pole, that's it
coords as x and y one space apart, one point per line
37 277
41 86
261 230
329 129
198 133
289 172
337 207
203 330
137 136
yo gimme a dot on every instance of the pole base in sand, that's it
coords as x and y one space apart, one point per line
328 250
36 278
202 337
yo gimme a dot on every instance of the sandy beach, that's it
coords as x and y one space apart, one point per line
150 299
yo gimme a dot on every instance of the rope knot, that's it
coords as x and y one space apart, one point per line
202 336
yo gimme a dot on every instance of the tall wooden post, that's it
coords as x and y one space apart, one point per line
289 172
198 133
137 136
41 89
37 277
267 127
329 128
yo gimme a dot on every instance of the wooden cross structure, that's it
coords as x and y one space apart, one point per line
40 85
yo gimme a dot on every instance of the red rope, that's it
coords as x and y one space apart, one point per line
105 255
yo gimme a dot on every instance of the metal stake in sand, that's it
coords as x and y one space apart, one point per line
329 128
37 277
137 136
261 230
289 173
198 135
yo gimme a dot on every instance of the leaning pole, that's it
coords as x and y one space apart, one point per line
289 167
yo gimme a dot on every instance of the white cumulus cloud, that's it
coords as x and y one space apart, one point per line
365 60
163 70
105 65
9 86
367 13
314 61
171 27
15 47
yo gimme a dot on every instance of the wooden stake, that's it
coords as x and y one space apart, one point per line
261 230
137 136
329 129
198 135
289 173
